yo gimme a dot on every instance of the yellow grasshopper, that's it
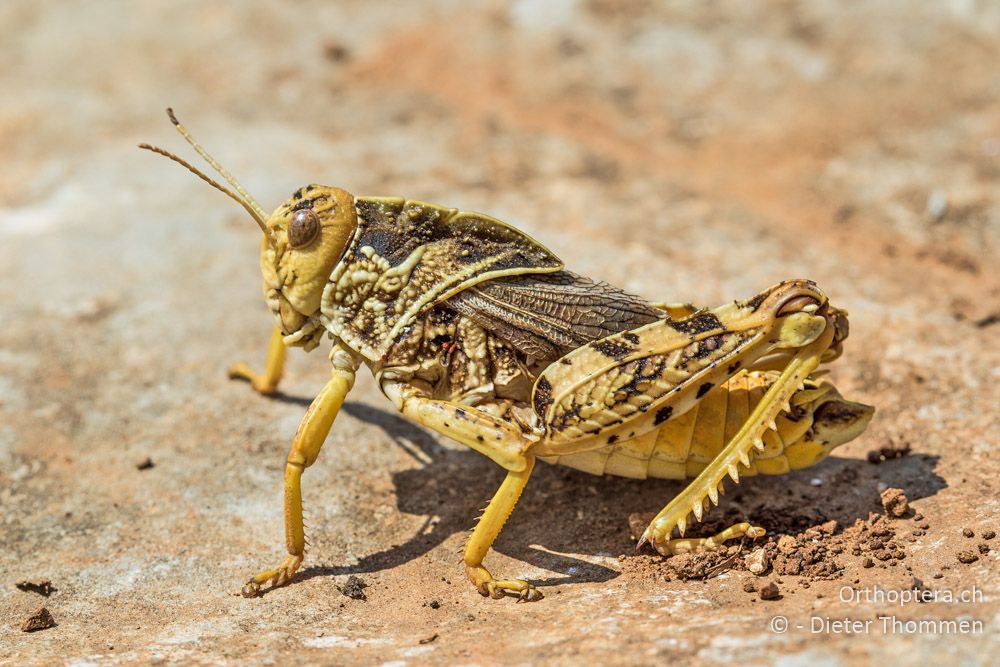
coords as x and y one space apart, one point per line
475 330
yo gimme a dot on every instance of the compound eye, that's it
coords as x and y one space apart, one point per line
303 228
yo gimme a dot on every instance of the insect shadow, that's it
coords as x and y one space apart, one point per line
565 516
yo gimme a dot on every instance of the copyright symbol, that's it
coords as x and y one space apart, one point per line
779 624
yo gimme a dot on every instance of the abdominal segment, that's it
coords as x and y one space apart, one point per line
684 445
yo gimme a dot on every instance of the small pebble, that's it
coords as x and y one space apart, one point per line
757 561
967 532
989 534
41 619
769 592
145 464
787 544
984 548
434 604
42 587
867 562
749 586
967 557
354 588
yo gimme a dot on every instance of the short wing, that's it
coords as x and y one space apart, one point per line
548 315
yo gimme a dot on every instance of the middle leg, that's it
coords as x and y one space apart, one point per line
501 441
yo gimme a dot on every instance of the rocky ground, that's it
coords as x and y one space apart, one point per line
685 152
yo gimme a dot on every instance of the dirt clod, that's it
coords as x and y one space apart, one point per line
41 619
769 591
989 534
787 544
145 464
354 588
967 557
967 532
42 587
428 640
895 503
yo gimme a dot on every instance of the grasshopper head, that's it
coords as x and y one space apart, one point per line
303 240
306 237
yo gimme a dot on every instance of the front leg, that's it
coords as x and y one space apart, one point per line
309 438
265 383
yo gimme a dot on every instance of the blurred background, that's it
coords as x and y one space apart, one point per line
685 151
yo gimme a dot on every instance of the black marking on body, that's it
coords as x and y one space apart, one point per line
708 345
733 367
662 415
480 438
696 324
631 337
305 203
755 302
612 439
565 361
543 396
612 349
704 389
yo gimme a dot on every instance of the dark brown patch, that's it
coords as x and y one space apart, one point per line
755 302
543 396
612 349
704 389
697 324
631 337
707 346
662 415
733 367
612 439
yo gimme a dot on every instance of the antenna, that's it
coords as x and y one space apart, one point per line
215 165
255 213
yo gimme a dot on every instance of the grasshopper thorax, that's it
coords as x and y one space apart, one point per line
307 236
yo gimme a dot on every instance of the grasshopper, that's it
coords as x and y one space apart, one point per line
478 332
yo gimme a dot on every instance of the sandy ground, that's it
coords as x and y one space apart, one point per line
683 152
